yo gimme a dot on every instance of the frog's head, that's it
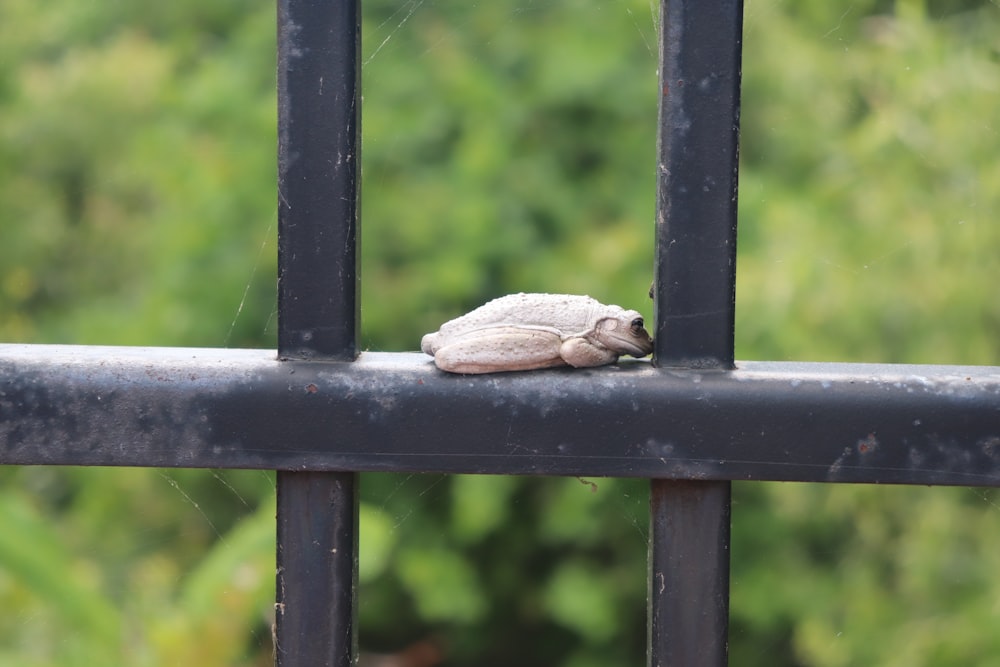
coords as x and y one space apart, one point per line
624 333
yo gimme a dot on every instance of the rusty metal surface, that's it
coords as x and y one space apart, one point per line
245 409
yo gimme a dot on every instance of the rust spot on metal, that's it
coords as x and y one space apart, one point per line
868 444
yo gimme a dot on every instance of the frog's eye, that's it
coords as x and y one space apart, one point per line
637 324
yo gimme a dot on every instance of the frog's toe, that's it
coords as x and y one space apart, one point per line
427 344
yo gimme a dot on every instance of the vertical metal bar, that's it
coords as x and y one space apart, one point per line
319 123
319 49
698 150
689 573
315 617
695 288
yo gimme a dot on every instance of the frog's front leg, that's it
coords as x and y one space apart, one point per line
496 349
581 353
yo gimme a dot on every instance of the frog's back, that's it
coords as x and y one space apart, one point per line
567 313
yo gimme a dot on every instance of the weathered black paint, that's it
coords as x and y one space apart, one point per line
244 409
698 162
695 292
315 613
319 168
689 573
319 125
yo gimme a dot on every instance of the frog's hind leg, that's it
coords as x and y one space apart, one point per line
501 349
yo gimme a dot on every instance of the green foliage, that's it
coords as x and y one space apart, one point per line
865 575
869 187
521 586
520 163
100 129
36 564
89 580
507 146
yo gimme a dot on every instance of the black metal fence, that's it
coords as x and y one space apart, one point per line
319 413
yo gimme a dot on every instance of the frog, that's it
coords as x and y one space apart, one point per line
521 332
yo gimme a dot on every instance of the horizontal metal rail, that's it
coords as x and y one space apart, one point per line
182 407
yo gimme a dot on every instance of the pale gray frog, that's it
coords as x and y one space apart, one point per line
521 332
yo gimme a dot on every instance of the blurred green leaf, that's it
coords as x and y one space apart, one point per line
443 584
480 504
583 600
376 540
31 552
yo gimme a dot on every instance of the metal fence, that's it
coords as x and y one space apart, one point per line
319 413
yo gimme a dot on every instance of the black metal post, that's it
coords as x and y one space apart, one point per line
695 288
689 573
319 122
317 569
698 150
